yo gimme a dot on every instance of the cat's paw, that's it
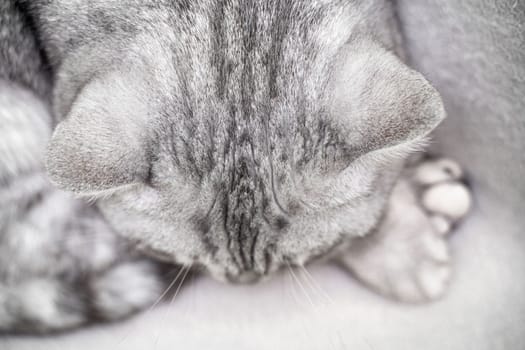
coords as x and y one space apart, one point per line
125 289
442 192
405 258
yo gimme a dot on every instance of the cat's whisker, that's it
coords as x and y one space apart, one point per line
184 270
301 285
187 270
159 299
284 262
166 290
294 289
315 285
192 290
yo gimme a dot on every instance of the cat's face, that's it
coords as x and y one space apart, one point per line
240 226
244 163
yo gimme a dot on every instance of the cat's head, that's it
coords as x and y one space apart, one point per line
241 162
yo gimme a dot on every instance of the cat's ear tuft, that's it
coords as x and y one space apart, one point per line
379 102
102 144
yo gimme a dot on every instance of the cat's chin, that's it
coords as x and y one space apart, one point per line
244 277
236 277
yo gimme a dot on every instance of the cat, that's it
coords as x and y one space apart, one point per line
237 137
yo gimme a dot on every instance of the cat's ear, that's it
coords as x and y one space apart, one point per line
103 142
379 102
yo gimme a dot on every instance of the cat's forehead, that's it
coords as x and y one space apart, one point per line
250 83
264 49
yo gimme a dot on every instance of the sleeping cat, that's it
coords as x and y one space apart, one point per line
237 137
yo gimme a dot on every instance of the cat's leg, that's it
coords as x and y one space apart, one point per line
62 266
407 256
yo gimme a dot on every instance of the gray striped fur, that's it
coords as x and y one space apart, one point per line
233 135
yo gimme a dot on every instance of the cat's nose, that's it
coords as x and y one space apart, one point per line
246 276
249 277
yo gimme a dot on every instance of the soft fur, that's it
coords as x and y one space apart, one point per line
237 136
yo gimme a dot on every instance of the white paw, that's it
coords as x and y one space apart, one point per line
405 258
444 196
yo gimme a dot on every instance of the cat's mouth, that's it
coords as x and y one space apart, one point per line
236 277
245 277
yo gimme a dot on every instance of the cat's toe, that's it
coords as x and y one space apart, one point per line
434 249
435 171
451 200
429 283
441 224
425 275
433 280
442 192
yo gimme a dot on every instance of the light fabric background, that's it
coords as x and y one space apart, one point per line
474 53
